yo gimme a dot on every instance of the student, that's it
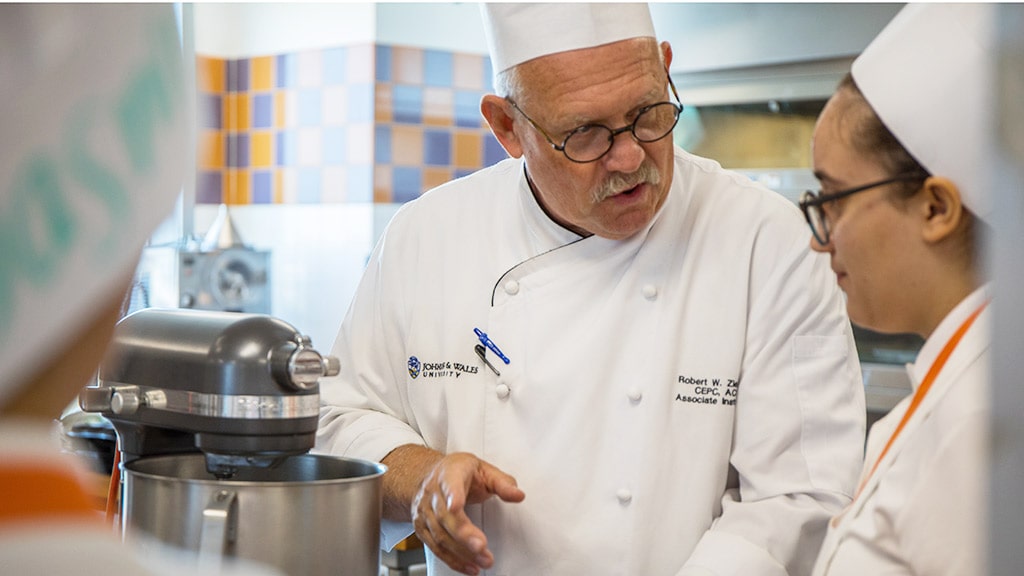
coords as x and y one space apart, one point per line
899 150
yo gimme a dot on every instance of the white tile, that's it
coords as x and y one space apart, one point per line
334 184
335 105
309 149
310 69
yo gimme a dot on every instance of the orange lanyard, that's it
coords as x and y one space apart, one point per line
923 389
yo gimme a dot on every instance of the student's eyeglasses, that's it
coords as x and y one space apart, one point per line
811 203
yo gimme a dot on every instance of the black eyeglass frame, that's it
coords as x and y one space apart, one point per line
612 133
815 200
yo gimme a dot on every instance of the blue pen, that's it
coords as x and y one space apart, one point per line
490 345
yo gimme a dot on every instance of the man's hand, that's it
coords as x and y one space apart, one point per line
438 507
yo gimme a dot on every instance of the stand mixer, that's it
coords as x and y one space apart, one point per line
215 413
240 388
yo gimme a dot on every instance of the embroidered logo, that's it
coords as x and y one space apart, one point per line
414 367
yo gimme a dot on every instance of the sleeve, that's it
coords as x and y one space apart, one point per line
363 410
798 436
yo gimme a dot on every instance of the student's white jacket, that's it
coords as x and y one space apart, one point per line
686 401
921 512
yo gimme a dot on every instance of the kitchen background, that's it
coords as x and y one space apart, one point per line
316 121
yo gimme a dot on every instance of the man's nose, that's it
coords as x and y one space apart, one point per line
626 154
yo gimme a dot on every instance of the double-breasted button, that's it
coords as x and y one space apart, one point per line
635 395
511 287
650 291
502 390
624 496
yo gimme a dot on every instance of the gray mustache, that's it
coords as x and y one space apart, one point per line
646 174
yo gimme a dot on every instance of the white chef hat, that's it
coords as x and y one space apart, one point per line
929 76
520 32
94 120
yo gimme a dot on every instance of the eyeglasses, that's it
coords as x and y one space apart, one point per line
811 203
591 142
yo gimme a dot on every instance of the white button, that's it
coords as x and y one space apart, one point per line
650 291
503 391
511 287
624 495
635 395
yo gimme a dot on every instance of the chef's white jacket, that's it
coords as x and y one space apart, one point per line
685 401
921 512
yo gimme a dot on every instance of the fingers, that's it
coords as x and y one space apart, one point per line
439 516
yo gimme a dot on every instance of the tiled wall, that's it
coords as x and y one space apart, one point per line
347 124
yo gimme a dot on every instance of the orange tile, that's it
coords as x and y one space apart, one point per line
237 187
262 70
406 65
210 74
382 185
406 145
434 177
261 154
383 103
278 186
468 150
236 112
211 149
280 108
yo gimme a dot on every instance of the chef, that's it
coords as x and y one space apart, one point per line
603 355
901 152
94 116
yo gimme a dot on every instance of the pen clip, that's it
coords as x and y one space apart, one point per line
479 348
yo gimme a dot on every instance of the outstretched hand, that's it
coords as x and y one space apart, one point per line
438 510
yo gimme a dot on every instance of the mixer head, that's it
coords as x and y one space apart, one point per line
241 388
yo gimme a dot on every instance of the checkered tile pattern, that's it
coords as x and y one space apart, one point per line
368 123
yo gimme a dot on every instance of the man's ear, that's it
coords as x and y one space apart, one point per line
498 113
941 207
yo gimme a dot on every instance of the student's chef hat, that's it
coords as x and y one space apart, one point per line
929 76
94 116
520 32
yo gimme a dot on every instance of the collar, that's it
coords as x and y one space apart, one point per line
944 331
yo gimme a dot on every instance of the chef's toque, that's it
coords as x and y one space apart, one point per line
517 33
929 76
94 115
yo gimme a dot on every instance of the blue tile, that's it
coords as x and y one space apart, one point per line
437 147
462 172
310 107
263 111
437 68
287 148
335 152
262 187
309 186
210 114
493 152
383 63
238 75
237 150
335 66
467 109
382 145
286 71
407 183
208 188
407 104
360 103
360 184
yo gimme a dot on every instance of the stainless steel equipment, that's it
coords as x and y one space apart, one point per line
221 272
214 412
